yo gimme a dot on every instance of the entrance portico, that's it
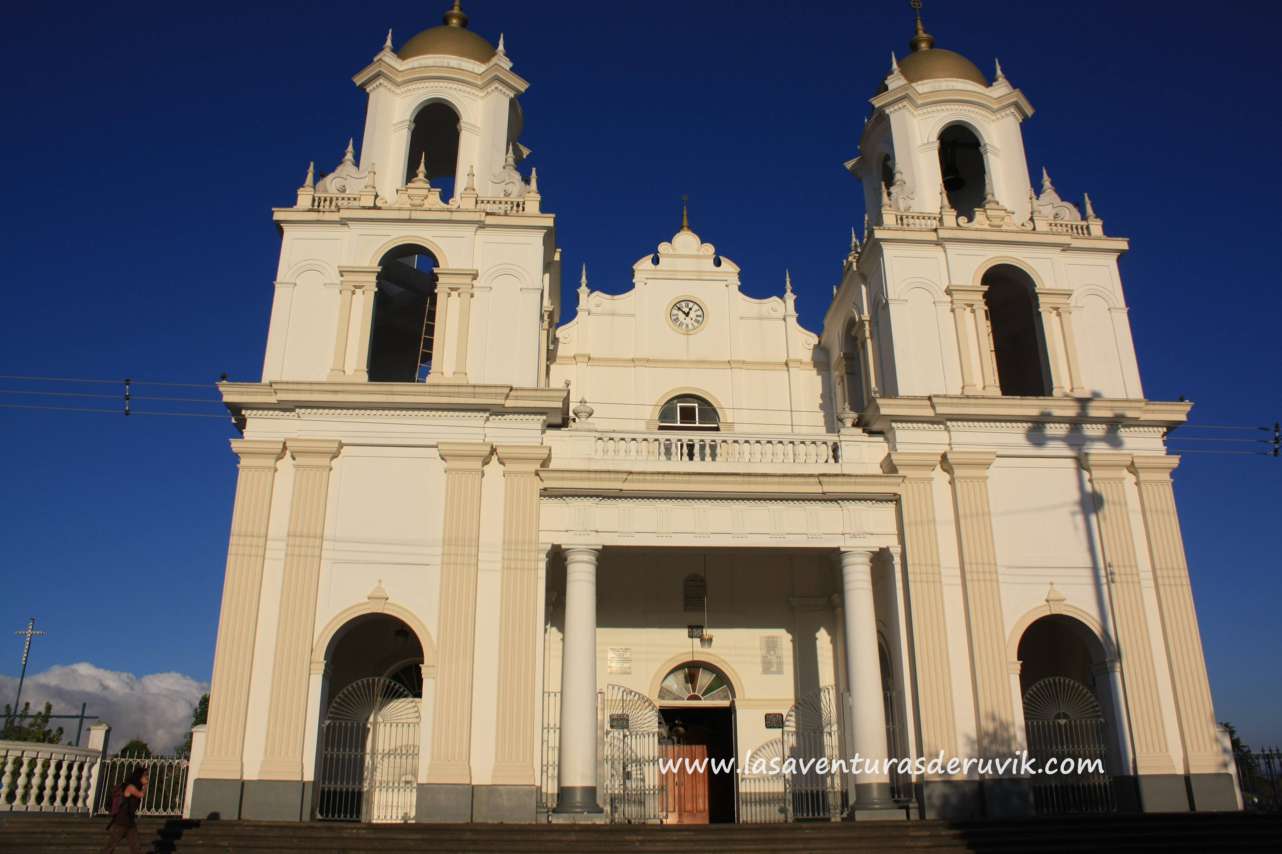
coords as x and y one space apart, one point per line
777 595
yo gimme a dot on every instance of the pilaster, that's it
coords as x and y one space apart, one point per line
981 591
454 317
287 706
356 288
927 618
238 616
452 717
1183 641
519 616
1108 474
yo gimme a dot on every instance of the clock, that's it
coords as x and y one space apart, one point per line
686 315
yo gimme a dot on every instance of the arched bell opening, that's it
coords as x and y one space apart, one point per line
368 743
1068 716
403 334
434 142
962 168
1019 342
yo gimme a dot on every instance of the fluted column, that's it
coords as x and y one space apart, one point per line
863 676
355 297
981 590
460 541
1183 640
1065 315
577 786
1108 473
927 618
519 616
1050 304
287 706
454 306
238 616
968 343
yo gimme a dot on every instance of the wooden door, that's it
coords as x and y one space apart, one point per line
686 783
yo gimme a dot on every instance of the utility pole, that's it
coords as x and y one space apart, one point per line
27 634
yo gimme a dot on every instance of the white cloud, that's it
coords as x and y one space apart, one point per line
156 707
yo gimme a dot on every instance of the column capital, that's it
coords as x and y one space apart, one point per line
911 464
518 459
314 452
258 453
581 552
460 456
854 557
1106 465
966 294
456 278
358 277
1155 468
969 463
1053 298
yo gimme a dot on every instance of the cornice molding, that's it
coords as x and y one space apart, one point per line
590 482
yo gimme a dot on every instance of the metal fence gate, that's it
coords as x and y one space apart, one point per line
1064 721
369 754
634 787
762 796
811 731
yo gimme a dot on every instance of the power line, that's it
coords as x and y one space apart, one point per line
46 408
102 382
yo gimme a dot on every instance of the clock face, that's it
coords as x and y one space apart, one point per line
686 315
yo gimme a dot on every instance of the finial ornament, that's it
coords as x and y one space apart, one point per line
510 159
787 282
894 63
470 187
534 180
349 156
999 75
421 173
685 213
501 48
310 181
1047 186
583 286
1090 208
387 43
921 39
854 240
455 16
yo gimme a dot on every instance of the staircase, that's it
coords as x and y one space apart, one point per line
1230 832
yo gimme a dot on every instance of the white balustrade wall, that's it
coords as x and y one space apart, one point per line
50 777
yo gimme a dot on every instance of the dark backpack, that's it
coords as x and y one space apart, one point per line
117 800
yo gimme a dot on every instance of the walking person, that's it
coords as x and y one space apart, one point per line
125 801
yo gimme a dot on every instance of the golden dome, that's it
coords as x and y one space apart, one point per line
452 38
927 62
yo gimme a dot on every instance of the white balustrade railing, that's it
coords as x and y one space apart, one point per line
166 783
501 205
909 219
715 448
1076 229
334 201
47 777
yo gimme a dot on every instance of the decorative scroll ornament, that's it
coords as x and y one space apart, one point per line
346 179
509 181
1050 206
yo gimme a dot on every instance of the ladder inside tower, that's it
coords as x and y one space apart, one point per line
428 337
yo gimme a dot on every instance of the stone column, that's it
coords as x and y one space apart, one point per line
237 627
964 299
520 619
1160 787
577 786
296 618
1050 303
356 289
1065 315
453 288
1210 780
449 777
863 676
927 620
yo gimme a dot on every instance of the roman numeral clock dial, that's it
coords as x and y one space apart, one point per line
686 315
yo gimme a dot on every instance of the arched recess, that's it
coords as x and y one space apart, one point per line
1015 324
704 657
346 618
403 327
434 141
853 376
962 167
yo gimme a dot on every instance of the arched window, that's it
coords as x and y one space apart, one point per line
1018 340
400 344
961 165
689 412
435 137
696 681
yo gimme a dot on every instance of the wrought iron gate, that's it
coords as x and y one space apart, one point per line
811 731
762 795
633 784
1064 722
369 754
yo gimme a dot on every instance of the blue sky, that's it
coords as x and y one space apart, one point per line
146 143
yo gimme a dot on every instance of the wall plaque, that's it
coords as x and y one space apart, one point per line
619 659
771 655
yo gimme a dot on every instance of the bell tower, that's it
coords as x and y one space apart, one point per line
411 260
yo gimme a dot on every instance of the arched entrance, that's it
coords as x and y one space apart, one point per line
696 708
368 744
1064 720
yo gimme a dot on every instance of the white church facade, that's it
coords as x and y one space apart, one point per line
492 562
